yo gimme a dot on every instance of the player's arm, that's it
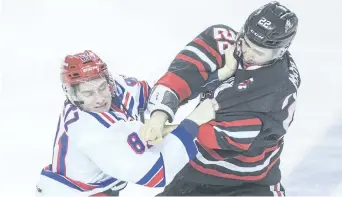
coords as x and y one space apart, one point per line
237 125
190 70
125 157
144 93
141 87
236 133
119 152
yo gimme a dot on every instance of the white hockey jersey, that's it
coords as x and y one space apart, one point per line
95 153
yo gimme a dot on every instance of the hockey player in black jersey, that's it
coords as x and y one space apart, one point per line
254 79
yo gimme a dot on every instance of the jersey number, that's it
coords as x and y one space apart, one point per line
222 37
136 144
265 23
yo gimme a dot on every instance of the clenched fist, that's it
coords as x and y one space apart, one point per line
152 131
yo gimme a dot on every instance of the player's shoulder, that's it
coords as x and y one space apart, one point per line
102 119
220 30
80 121
290 73
131 85
294 74
126 84
126 81
221 26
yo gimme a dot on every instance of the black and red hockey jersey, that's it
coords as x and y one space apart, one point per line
257 105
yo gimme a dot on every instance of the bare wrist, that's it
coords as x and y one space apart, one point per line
161 115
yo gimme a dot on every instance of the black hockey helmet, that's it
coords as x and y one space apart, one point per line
271 26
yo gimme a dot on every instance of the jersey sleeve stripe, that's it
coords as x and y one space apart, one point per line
58 126
178 85
187 139
236 144
60 179
155 175
199 65
238 123
130 107
207 136
257 158
238 134
100 119
142 98
145 89
66 104
78 185
144 92
127 96
70 121
62 152
237 168
115 108
212 51
202 56
232 176
70 108
108 117
113 115
157 179
213 153
104 183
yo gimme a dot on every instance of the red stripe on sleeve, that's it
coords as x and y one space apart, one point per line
232 176
212 51
238 145
177 84
107 117
199 65
156 179
206 136
257 158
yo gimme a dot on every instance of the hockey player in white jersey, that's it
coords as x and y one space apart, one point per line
97 147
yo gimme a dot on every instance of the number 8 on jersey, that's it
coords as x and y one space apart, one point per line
135 142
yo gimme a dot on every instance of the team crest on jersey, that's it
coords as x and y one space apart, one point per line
245 84
85 58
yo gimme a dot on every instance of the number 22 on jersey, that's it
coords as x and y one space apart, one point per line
222 37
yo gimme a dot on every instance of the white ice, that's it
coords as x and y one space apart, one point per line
140 38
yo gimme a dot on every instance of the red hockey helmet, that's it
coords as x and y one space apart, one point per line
82 67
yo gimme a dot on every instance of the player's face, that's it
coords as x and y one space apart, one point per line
95 94
253 54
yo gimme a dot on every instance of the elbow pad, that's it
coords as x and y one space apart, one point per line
163 99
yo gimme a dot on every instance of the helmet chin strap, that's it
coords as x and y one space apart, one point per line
78 103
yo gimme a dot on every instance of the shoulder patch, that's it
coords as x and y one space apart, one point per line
130 81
